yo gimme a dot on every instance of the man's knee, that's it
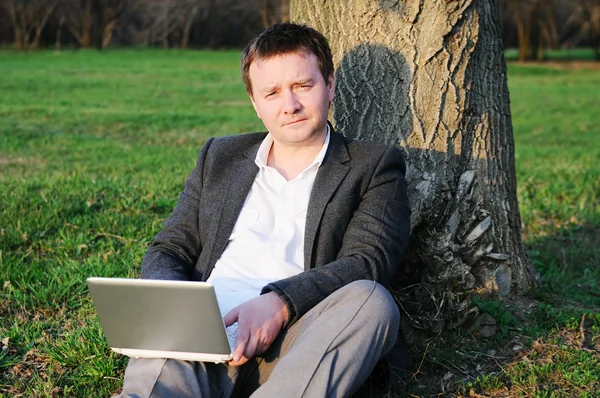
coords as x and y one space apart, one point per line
378 302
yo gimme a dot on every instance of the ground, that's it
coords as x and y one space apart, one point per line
95 147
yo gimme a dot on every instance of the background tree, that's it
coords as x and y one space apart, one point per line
591 24
536 27
431 77
532 26
109 13
583 23
170 22
28 19
79 19
273 11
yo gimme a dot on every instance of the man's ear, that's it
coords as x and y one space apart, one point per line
331 87
254 106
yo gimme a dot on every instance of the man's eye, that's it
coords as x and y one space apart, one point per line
272 93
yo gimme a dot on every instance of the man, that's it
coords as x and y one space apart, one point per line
297 229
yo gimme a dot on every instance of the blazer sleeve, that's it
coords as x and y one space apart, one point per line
372 247
175 250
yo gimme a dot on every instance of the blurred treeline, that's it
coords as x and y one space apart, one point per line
532 26
31 24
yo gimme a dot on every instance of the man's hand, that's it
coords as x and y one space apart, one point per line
259 322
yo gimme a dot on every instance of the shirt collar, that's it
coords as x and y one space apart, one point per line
263 151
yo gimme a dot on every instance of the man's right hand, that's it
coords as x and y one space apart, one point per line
259 322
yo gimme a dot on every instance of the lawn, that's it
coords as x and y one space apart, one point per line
95 147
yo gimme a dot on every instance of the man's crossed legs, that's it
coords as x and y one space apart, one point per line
329 352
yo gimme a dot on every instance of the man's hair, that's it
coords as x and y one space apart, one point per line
283 39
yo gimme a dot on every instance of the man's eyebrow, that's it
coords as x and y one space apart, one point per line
270 88
308 80
274 87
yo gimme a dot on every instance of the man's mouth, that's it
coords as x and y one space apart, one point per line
294 122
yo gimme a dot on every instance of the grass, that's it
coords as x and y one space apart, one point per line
556 125
95 146
563 54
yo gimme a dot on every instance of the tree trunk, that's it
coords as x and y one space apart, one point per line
12 13
79 22
534 21
107 32
523 34
18 16
165 32
550 29
18 37
523 29
40 26
431 77
264 14
284 9
188 21
85 39
58 43
592 13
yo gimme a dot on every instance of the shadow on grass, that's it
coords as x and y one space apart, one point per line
568 264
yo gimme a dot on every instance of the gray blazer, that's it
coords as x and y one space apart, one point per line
357 224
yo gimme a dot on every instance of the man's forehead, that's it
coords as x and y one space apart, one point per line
302 53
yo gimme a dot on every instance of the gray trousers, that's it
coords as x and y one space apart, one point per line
329 352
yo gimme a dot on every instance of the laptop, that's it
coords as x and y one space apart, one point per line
146 318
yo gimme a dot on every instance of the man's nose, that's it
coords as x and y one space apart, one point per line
291 104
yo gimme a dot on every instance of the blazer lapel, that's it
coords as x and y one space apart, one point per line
330 175
240 179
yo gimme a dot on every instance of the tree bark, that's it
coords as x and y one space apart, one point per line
430 76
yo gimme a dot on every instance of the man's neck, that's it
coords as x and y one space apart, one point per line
291 160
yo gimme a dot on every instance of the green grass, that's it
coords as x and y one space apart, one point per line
95 146
570 54
557 133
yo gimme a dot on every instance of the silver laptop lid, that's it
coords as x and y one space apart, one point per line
159 315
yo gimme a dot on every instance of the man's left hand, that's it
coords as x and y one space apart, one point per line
259 322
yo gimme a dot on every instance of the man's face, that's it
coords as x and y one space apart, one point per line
291 97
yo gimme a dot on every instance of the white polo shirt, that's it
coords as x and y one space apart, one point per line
267 241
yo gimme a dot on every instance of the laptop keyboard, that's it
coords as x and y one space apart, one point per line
232 335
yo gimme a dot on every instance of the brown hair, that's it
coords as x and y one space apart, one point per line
287 38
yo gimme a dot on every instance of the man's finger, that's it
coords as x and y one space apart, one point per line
242 361
261 348
231 317
243 335
261 345
251 346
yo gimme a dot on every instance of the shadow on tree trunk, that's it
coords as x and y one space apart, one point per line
466 228
465 213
